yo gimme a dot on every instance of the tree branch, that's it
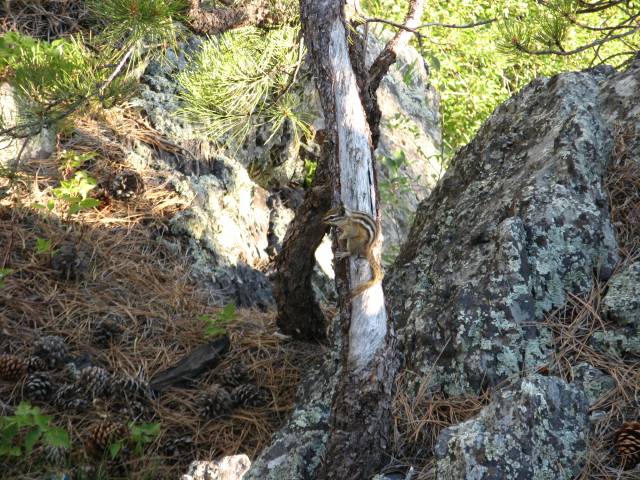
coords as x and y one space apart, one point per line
388 55
564 53
220 20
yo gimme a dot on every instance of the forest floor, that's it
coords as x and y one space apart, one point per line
124 300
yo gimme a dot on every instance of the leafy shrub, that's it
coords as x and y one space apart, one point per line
20 432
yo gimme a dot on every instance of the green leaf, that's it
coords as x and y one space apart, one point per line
43 246
228 313
89 203
10 451
25 409
42 421
145 429
57 437
8 433
115 448
31 439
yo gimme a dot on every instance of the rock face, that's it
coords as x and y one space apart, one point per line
234 226
227 468
622 301
531 431
621 305
41 145
519 220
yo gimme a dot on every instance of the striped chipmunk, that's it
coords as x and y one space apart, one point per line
360 231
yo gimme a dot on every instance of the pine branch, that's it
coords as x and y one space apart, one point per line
563 53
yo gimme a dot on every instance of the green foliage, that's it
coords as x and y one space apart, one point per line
244 79
44 246
216 326
20 432
74 192
143 434
139 434
48 73
71 160
4 273
143 25
475 70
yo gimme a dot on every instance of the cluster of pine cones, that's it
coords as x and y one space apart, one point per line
234 389
87 383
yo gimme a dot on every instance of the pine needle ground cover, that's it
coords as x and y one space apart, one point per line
103 288
614 441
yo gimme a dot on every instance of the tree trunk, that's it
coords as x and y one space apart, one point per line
299 314
360 417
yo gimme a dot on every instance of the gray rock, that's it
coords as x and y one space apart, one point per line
518 220
619 343
296 450
534 430
593 382
41 145
622 301
227 468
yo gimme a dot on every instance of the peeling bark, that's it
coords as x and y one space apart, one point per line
360 416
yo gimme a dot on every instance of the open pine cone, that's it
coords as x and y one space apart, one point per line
12 367
628 444
102 435
216 403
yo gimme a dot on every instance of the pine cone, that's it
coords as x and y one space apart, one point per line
36 364
130 387
68 262
125 185
55 455
95 381
38 387
12 367
102 435
628 444
235 375
250 395
50 349
178 446
107 331
69 397
216 403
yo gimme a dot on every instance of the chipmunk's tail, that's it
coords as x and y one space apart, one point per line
377 276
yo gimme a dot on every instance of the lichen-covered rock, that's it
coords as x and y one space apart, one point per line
534 430
227 468
593 382
619 343
622 301
41 145
518 220
296 451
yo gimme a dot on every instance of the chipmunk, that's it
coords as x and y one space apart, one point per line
360 231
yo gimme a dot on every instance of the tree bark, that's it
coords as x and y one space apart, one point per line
361 409
220 20
360 416
299 314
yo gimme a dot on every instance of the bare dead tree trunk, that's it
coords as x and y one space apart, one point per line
360 417
361 411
